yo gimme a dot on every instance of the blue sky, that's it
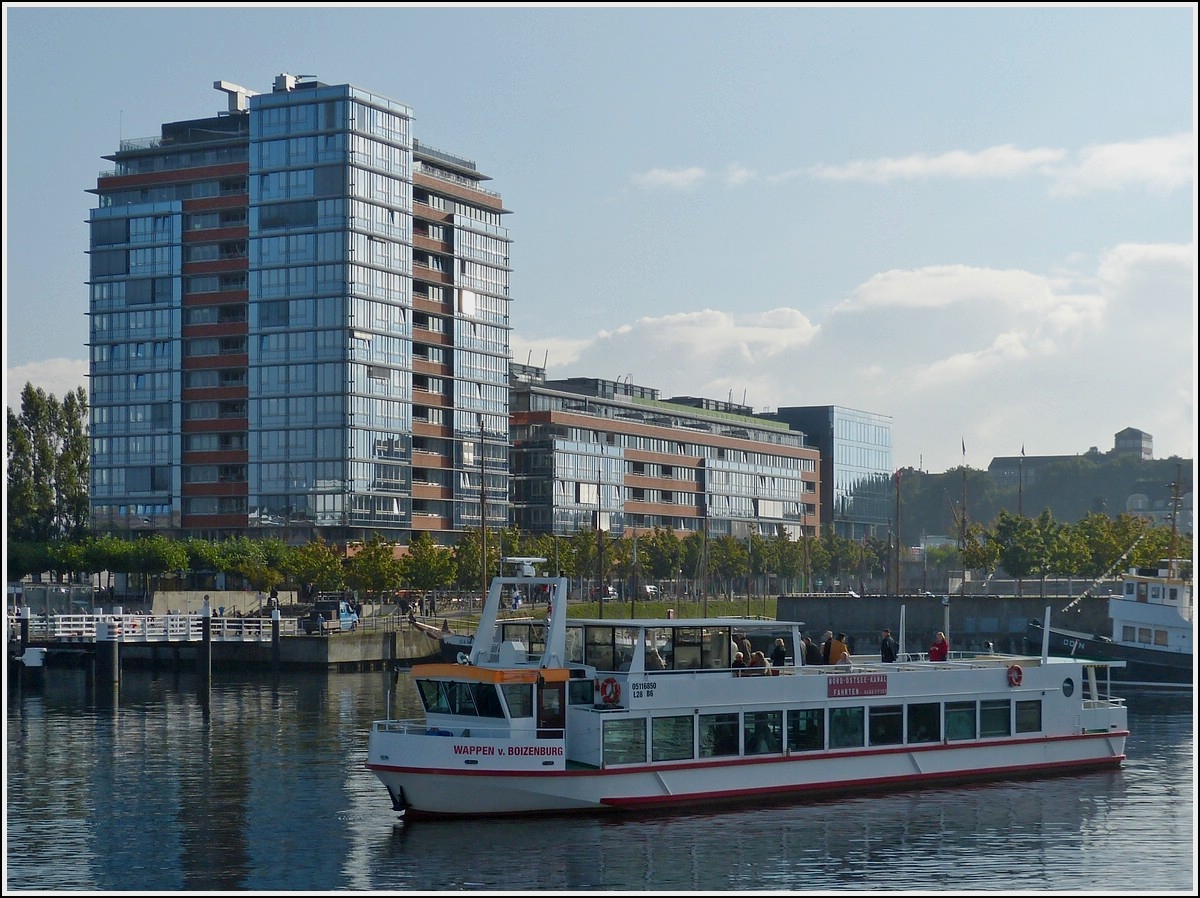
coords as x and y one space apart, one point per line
979 221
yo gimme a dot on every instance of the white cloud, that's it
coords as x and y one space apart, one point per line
995 162
58 377
737 175
1060 361
1158 163
677 179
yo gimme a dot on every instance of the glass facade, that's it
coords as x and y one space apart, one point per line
299 323
582 447
858 498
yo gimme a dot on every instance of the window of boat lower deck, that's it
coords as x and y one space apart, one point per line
886 724
718 734
1029 716
671 738
806 729
624 741
924 722
763 732
995 718
846 727
960 721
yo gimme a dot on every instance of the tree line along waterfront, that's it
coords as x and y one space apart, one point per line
49 532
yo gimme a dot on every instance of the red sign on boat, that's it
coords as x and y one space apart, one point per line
848 685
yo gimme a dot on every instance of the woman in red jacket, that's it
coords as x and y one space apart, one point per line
940 648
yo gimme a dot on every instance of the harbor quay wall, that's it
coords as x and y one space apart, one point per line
971 621
364 649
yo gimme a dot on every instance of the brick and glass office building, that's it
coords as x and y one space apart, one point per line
588 452
299 326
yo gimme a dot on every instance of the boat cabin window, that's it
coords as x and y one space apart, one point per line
806 729
994 718
718 735
660 648
598 649
960 720
531 634
626 645
763 732
886 724
573 650
924 722
671 738
472 699
699 648
846 727
1029 716
519 698
581 692
689 653
624 741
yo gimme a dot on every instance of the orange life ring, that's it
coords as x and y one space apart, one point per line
1015 675
610 691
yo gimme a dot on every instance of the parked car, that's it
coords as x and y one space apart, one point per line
332 616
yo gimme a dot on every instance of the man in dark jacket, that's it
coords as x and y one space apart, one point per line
887 647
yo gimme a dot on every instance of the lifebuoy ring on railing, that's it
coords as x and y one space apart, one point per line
464 658
610 691
1015 675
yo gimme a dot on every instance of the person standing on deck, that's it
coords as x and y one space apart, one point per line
838 648
887 647
940 650
779 653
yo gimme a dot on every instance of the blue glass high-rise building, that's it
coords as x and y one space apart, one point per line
299 326
857 494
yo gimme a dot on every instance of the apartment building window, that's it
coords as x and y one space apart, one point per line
214 442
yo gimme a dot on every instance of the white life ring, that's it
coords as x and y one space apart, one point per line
464 658
1015 675
610 691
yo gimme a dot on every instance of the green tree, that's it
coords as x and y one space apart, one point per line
727 559
315 567
467 552
374 568
47 472
661 553
427 565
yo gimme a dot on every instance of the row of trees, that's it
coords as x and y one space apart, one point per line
1022 547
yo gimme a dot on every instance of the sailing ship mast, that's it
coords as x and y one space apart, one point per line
1174 525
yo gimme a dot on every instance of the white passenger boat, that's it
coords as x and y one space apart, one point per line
572 715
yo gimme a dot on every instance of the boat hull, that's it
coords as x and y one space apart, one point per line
1143 666
447 793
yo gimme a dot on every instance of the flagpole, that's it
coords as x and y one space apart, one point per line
962 528
1021 483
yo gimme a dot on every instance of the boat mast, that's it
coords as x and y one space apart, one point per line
962 524
1174 525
